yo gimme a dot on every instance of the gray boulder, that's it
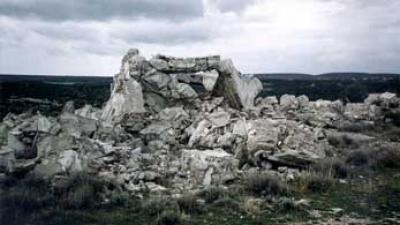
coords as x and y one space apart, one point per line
263 134
71 162
239 93
177 116
157 79
69 107
126 96
288 102
199 133
78 126
183 91
209 167
219 119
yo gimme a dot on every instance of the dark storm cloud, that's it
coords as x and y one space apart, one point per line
233 5
60 10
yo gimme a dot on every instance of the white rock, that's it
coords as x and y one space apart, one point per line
209 166
239 92
209 79
219 119
263 134
70 162
201 131
288 102
44 125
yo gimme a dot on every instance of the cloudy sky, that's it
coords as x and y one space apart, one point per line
89 37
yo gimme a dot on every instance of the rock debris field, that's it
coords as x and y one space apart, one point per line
177 125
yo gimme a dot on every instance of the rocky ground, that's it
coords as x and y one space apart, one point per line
188 141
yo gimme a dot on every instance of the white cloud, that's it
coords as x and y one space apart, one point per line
311 36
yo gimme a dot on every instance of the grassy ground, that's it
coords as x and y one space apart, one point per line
373 195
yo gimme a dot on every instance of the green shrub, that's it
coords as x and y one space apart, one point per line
154 206
334 167
314 182
342 141
263 184
80 191
386 157
169 218
119 198
287 205
82 196
393 133
213 193
356 127
29 195
188 204
227 202
359 158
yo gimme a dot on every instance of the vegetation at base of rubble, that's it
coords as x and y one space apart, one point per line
358 158
260 183
314 182
214 193
380 157
119 198
169 218
387 158
154 205
189 204
365 197
82 191
342 141
331 167
31 195
391 133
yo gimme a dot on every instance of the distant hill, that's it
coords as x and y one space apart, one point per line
82 90
328 76
95 90
261 76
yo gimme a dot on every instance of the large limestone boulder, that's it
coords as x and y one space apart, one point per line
219 119
238 92
78 126
199 133
177 116
323 113
389 100
127 95
159 130
288 102
89 111
209 167
71 162
169 64
264 134
360 111
305 140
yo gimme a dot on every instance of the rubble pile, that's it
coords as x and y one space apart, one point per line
176 124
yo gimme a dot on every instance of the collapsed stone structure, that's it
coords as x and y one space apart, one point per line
163 81
193 122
